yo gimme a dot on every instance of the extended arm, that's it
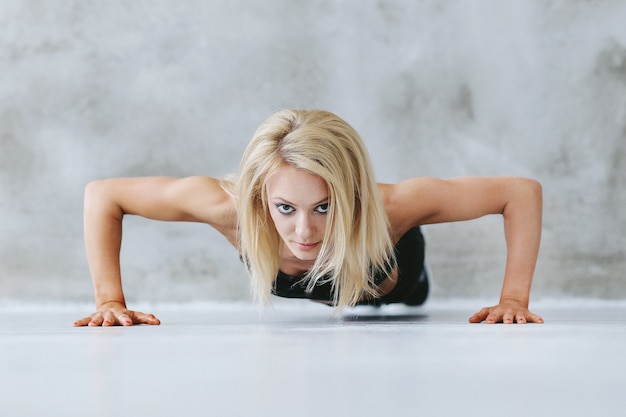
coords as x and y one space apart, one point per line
518 200
198 199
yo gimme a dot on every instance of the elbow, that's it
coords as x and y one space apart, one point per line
97 197
94 191
523 193
534 189
530 190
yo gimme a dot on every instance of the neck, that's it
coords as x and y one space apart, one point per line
291 265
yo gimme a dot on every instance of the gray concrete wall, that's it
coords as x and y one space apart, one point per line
94 89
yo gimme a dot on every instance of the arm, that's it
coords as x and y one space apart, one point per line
518 200
198 199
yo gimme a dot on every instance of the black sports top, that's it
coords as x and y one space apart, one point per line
290 286
411 286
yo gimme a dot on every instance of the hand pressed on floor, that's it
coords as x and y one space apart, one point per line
506 312
116 314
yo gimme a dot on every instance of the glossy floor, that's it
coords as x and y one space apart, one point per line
298 360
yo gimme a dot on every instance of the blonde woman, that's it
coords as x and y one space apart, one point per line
309 221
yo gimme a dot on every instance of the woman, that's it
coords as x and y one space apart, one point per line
309 221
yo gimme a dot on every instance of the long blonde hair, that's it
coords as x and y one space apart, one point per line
356 239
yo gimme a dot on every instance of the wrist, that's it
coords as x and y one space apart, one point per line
513 299
106 293
102 301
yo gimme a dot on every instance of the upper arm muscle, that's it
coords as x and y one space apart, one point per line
428 200
199 199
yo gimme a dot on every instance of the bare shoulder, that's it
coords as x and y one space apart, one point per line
406 203
207 200
204 199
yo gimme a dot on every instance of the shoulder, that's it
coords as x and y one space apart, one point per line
206 186
407 203
206 198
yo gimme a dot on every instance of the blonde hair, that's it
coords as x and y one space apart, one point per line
356 240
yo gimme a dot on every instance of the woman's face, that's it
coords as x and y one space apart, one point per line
298 203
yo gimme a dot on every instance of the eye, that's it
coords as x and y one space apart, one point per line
284 208
322 208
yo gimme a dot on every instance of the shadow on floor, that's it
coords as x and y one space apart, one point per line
407 318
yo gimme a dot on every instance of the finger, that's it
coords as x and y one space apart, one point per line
520 318
82 322
480 316
507 318
535 318
477 318
143 318
109 319
96 320
491 319
124 320
496 316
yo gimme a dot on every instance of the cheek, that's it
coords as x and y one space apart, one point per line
321 225
280 223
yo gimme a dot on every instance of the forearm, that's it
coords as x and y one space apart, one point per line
522 225
103 237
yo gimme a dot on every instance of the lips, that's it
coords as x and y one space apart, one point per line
306 246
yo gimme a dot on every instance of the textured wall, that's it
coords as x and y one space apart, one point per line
104 89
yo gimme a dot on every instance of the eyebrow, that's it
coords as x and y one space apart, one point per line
284 200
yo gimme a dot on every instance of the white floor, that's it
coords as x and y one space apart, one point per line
297 360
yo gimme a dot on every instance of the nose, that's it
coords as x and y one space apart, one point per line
305 227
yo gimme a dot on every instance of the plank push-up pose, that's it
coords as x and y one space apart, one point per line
309 221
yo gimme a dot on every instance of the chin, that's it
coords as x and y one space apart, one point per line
305 255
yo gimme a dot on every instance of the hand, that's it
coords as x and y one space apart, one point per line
116 313
506 312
